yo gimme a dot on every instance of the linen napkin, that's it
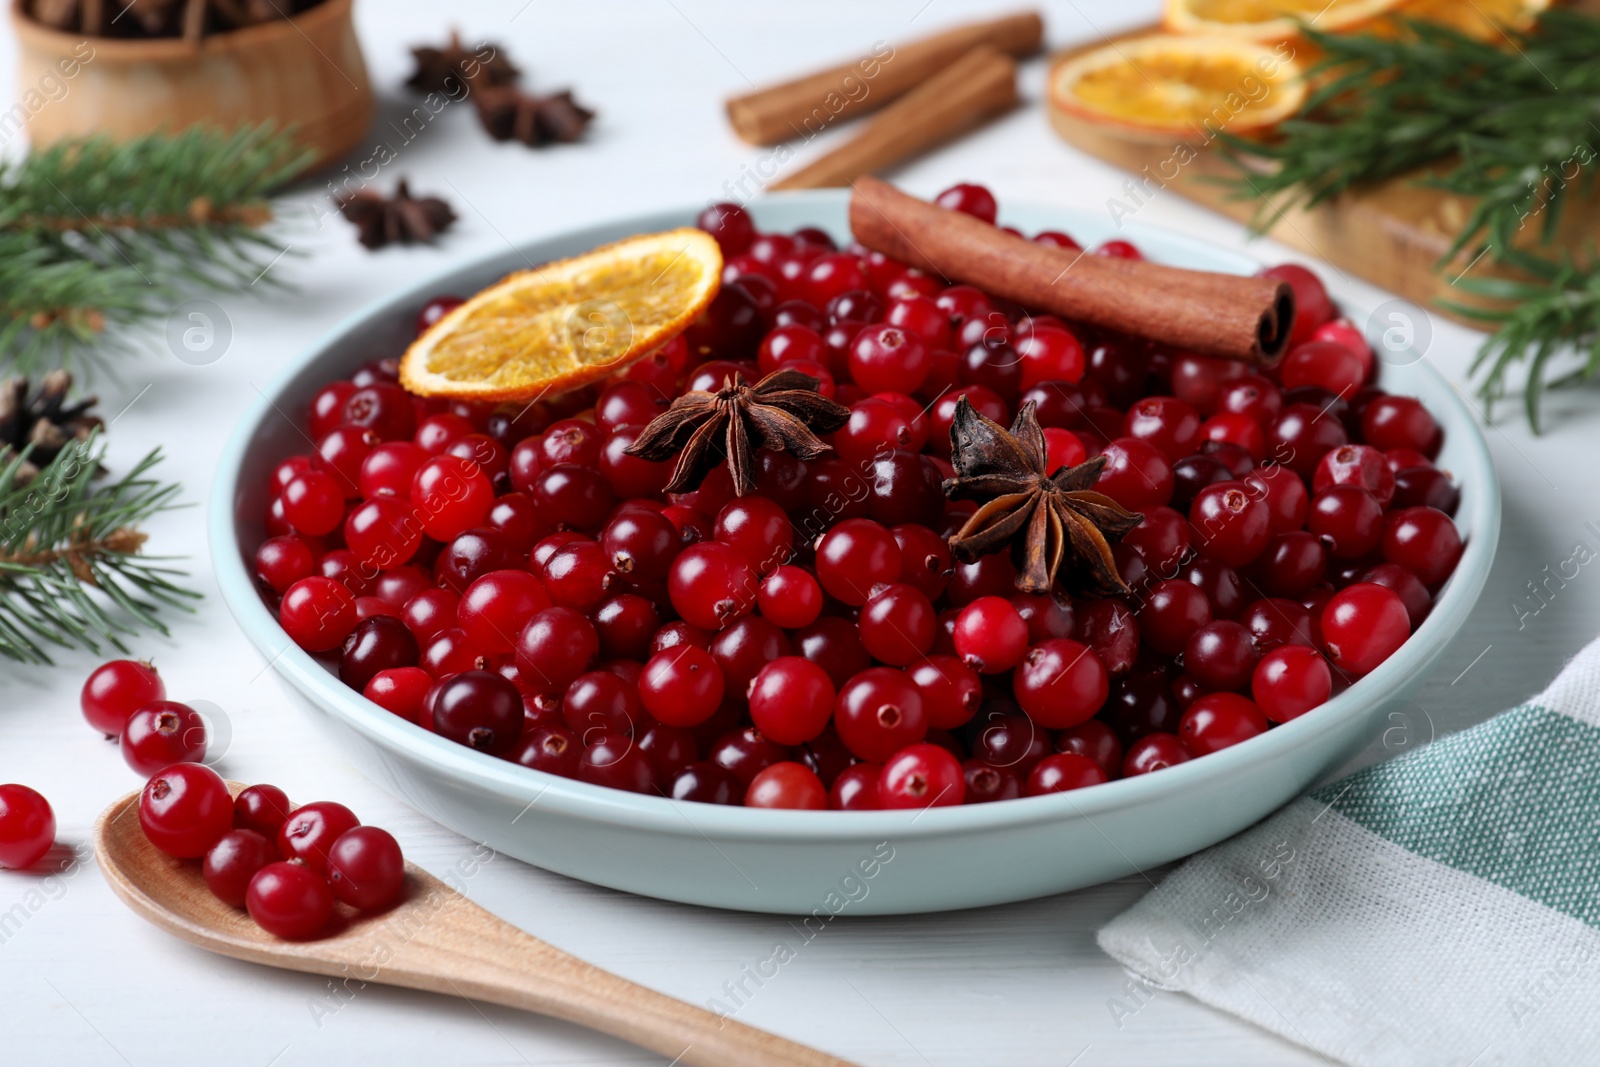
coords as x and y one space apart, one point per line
1440 908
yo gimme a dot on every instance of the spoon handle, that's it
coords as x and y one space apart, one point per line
457 948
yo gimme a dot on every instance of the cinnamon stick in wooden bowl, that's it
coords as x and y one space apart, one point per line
805 106
1227 315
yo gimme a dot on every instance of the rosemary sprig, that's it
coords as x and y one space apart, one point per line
1516 129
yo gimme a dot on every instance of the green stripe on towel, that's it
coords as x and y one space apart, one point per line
1515 802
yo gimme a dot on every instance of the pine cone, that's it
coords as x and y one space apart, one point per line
42 418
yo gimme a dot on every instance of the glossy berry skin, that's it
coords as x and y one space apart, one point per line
711 585
1363 625
705 783
786 785
317 613
1220 656
1284 494
27 827
681 686
313 503
730 226
1097 741
233 861
990 635
282 561
160 734
878 712
986 783
855 788
1220 720
115 690
1348 519
262 808
554 648
1060 683
1424 541
311 829
884 357
1231 524
617 763
497 606
185 810
1323 364
791 700
1062 772
1412 593
366 869
379 643
969 199
1400 422
897 624
791 597
853 557
451 496
479 709
1154 752
1137 474
1290 681
921 776
1173 611
290 901
951 691
1360 465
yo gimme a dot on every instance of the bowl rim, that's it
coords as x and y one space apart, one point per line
472 770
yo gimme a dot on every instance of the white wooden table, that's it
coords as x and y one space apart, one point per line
83 981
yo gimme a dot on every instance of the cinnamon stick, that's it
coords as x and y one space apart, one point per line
1228 315
807 105
973 89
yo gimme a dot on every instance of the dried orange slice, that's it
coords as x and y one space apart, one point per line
1166 86
567 323
1273 20
1487 20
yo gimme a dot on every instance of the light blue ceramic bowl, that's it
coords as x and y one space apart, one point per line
799 862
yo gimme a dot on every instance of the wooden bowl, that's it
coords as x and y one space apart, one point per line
305 72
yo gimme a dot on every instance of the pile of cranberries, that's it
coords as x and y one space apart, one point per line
287 866
512 579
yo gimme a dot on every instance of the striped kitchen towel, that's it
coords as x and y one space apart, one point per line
1440 908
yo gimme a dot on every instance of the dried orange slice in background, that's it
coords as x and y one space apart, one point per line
1165 86
1484 19
1274 20
567 323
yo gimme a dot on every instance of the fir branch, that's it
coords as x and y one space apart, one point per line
72 573
96 237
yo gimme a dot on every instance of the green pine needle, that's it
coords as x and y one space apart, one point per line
71 571
97 237
1516 129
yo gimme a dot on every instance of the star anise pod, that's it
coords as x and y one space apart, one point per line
401 218
509 114
1041 517
445 69
783 412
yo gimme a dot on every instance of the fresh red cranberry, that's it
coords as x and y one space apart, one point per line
555 647
1406 584
1049 354
1290 681
160 734
451 495
479 709
1110 629
625 625
712 584
681 686
617 763
290 901
969 199
399 690
1275 621
1301 435
747 753
1142 703
986 783
340 453
730 225
1231 524
233 861
1154 752
1193 473
1061 683
990 636
449 652
438 432
262 808
1359 465
1312 305
1095 740
1325 365
434 310
879 712
1291 564
790 597
1165 422
383 408
115 690
1348 519
1172 612
1285 495
834 644
791 700
1424 541
599 702
855 556
743 648
786 785
282 561
1047 615
27 827
497 606
855 789
552 749
921 776
379 643
184 810
430 611
311 830
951 691
1220 656
1162 539
366 869
705 783
1400 422
1137 474
327 407
1002 737
579 575
1426 487
1363 625
472 555
1218 721
1062 772
313 503
1118 249
898 624
788 343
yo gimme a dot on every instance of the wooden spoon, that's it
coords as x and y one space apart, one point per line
437 940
